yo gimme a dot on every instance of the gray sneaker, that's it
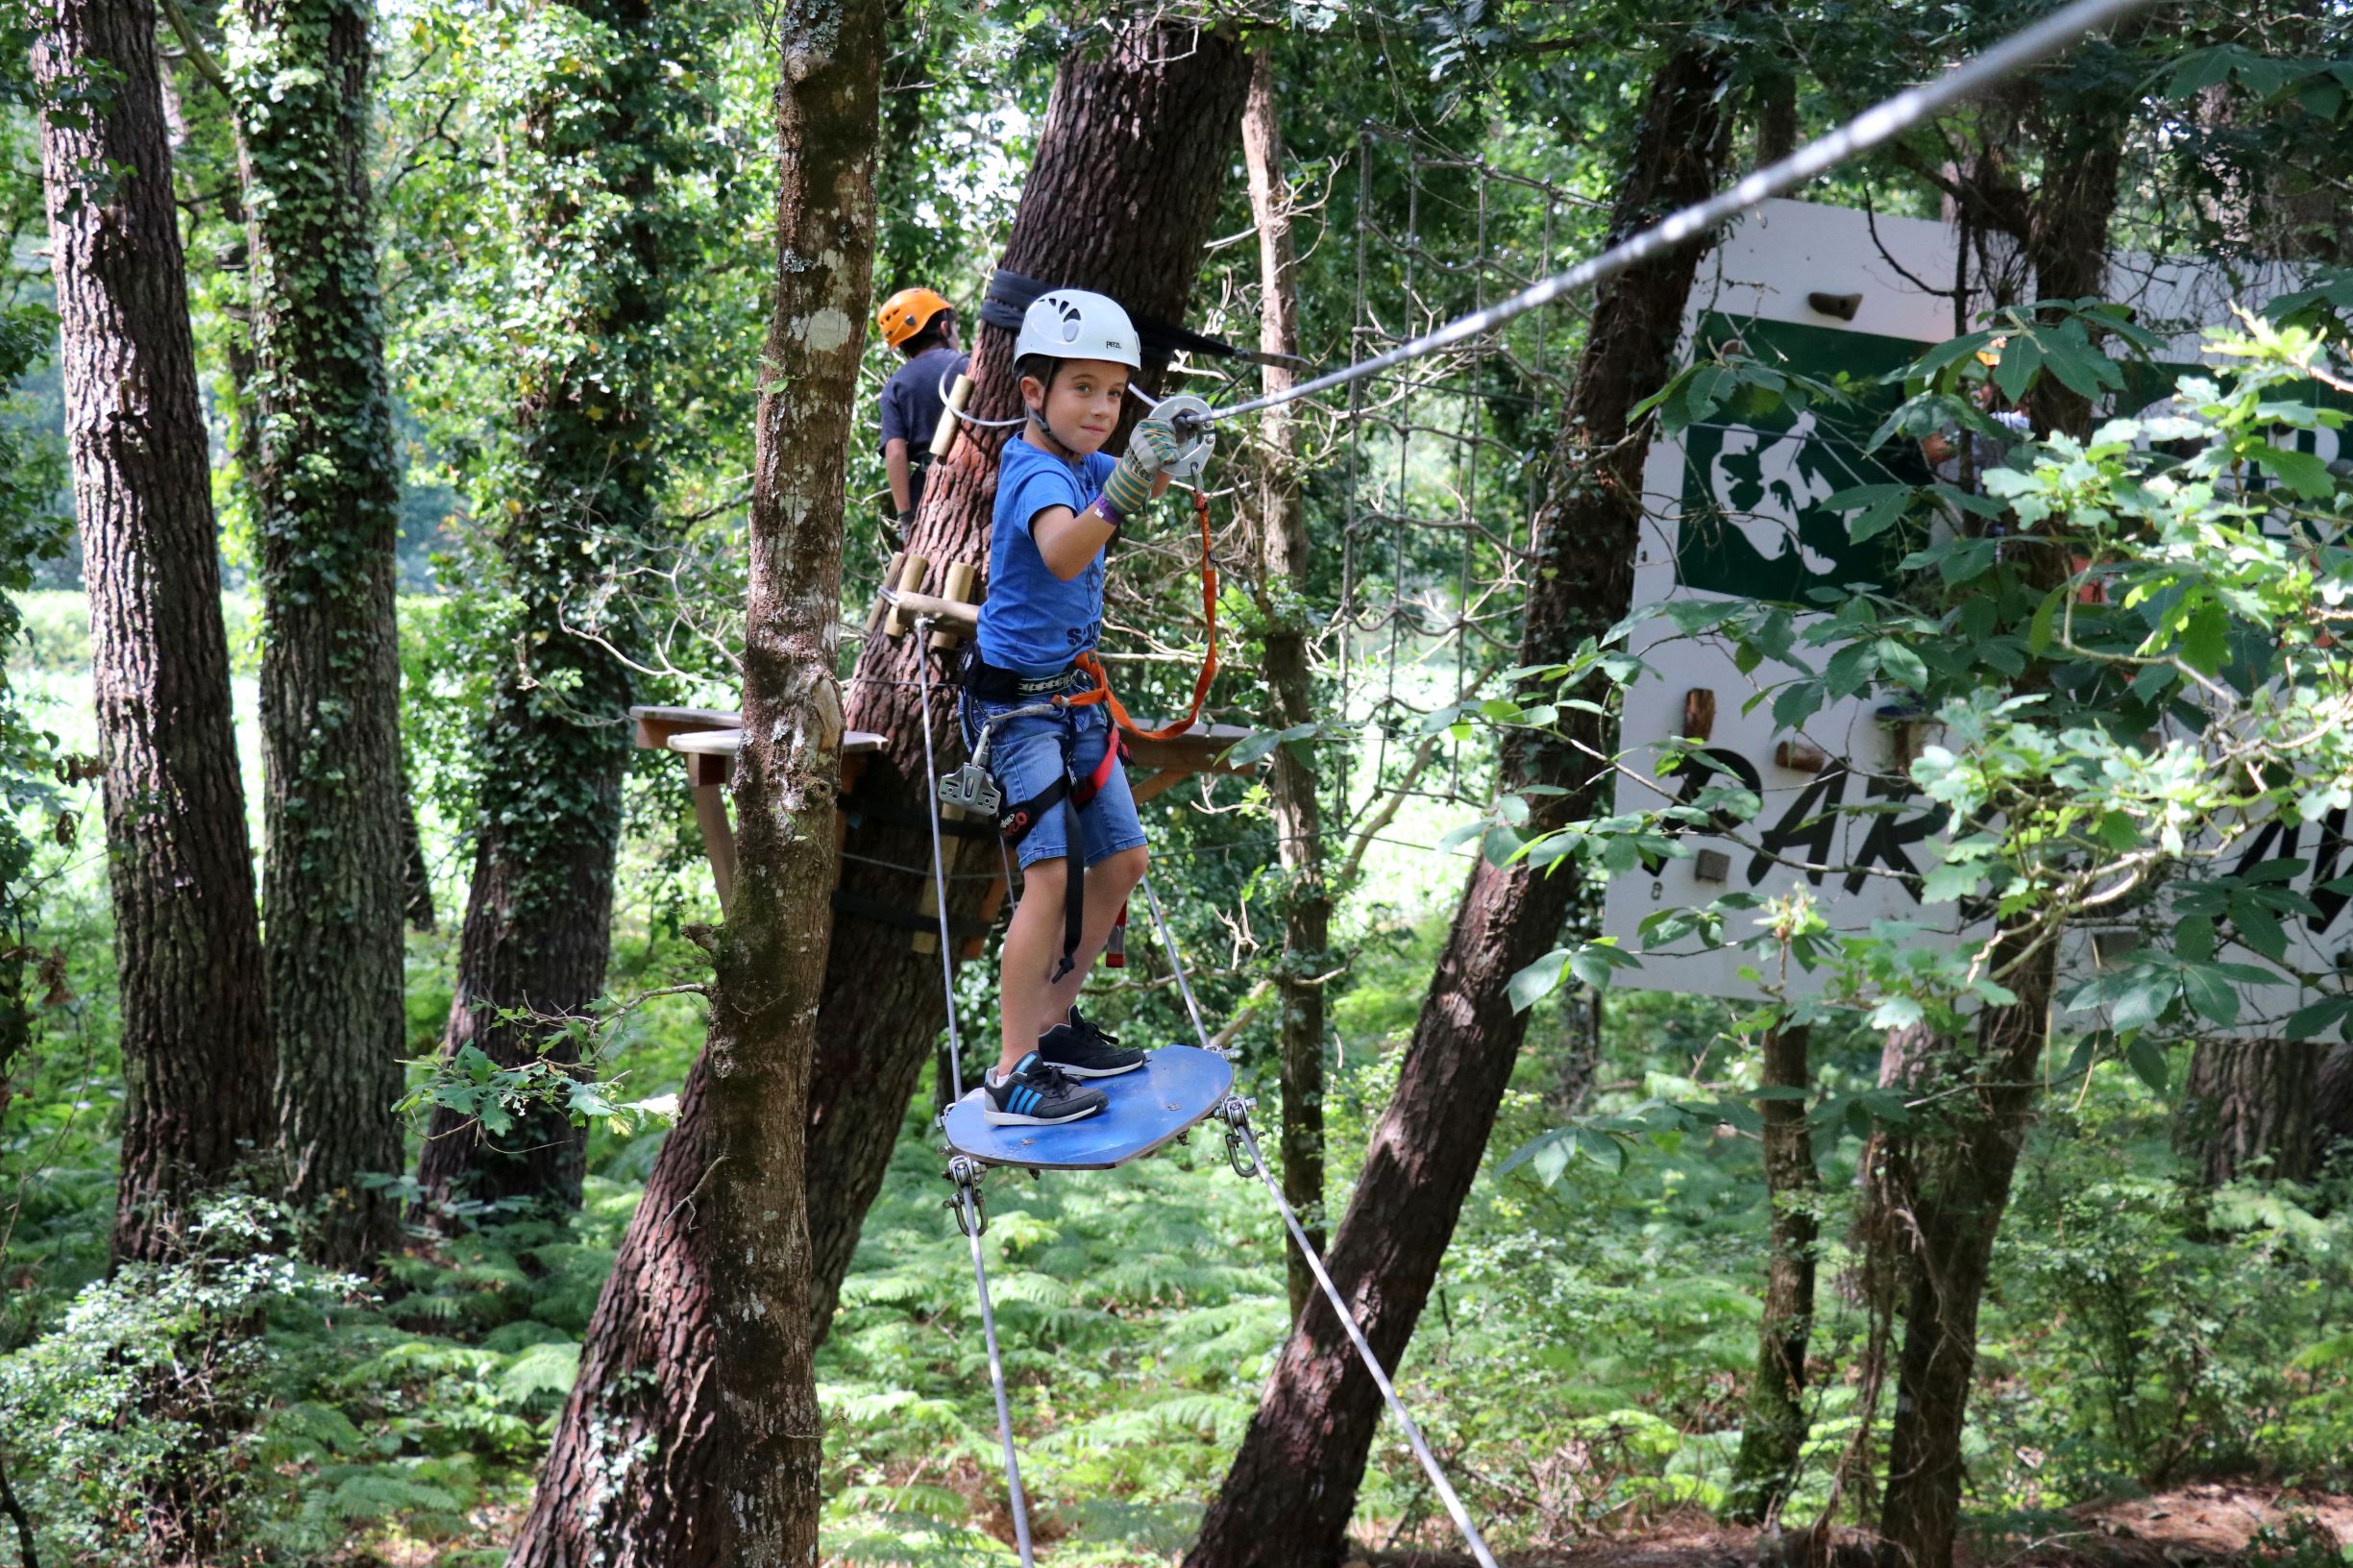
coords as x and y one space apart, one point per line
1036 1093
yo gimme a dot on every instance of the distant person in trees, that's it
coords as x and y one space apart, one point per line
1945 449
1059 501
920 325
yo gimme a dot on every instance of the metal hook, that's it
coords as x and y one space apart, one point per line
1235 1113
966 1174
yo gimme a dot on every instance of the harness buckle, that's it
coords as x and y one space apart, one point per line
972 788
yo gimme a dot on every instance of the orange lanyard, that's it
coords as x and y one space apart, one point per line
1094 665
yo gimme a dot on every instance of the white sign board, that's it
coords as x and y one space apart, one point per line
1734 511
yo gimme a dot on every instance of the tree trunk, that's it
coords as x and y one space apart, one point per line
1772 1435
2332 1113
627 1476
325 496
1287 1497
195 1023
2248 1110
416 872
631 1479
538 915
1283 561
712 1359
1951 1180
772 956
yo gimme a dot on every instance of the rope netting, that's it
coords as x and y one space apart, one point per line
1445 455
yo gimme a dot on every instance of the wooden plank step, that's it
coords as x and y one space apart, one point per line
726 743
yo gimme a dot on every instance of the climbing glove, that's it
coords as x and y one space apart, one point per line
1153 447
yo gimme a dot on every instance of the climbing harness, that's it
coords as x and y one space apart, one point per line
973 788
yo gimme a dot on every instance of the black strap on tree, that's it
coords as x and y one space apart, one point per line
1011 294
905 919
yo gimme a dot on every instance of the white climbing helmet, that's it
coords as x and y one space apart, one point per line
1072 324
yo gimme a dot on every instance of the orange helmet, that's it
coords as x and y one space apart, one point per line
908 312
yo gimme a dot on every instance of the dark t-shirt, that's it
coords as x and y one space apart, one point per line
911 405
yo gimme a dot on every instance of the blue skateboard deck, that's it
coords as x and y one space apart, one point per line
1177 1086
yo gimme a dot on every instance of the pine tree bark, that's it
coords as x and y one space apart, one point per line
2248 1108
1772 1434
195 1024
536 934
325 498
1282 564
630 1476
1287 1497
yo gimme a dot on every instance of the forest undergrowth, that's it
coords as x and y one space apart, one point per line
1580 1372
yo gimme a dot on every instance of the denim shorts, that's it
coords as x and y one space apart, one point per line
1025 758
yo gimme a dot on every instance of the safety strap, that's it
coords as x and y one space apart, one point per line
1074 795
1102 692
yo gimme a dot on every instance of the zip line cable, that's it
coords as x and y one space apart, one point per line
1873 126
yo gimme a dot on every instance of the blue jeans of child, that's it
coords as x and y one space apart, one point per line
1025 756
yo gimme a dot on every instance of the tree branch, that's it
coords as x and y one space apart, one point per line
198 54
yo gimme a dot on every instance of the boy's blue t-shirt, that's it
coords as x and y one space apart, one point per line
1032 620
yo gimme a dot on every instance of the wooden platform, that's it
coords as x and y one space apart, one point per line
709 739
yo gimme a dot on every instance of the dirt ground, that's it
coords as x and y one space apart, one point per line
2215 1525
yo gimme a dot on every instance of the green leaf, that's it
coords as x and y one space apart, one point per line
2205 642
2299 471
2259 929
1532 983
2040 631
2209 993
1602 1149
1897 1013
2146 1060
1899 664
1596 962
1252 748
2021 357
2313 1020
1549 1152
1797 703
2193 937
2142 1000
1882 507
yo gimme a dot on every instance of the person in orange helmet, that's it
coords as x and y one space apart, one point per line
920 325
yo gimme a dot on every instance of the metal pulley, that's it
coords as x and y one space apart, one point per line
1190 416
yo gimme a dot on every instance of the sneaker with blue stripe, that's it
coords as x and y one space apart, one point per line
1036 1093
